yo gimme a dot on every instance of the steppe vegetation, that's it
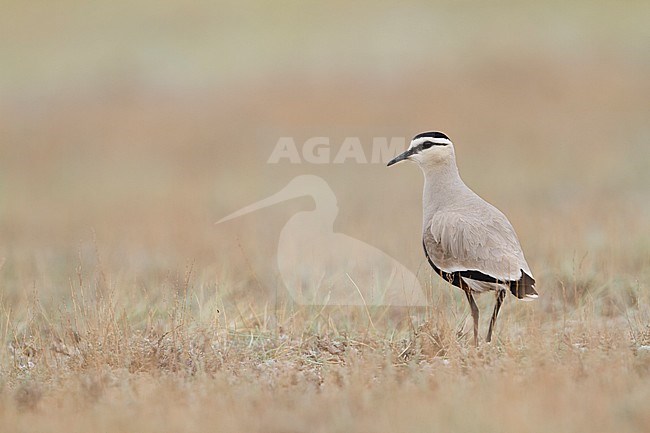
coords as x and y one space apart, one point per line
126 132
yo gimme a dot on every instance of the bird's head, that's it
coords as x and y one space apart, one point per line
428 148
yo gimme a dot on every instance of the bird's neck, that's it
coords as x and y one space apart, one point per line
442 185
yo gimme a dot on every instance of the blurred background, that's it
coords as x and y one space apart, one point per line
128 128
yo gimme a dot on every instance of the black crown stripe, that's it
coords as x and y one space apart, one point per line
432 134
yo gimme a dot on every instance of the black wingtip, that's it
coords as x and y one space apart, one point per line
524 288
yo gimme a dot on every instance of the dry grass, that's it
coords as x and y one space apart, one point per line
123 308
173 366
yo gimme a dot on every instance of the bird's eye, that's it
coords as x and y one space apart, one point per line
427 144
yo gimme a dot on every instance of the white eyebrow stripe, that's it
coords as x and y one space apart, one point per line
421 140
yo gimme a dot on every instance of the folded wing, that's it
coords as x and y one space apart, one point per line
481 249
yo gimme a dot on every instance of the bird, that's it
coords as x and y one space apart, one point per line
319 266
467 241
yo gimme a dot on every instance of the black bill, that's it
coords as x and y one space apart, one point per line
401 157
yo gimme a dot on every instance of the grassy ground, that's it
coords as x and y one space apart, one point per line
126 132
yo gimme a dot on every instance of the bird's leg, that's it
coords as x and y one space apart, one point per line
501 294
474 308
